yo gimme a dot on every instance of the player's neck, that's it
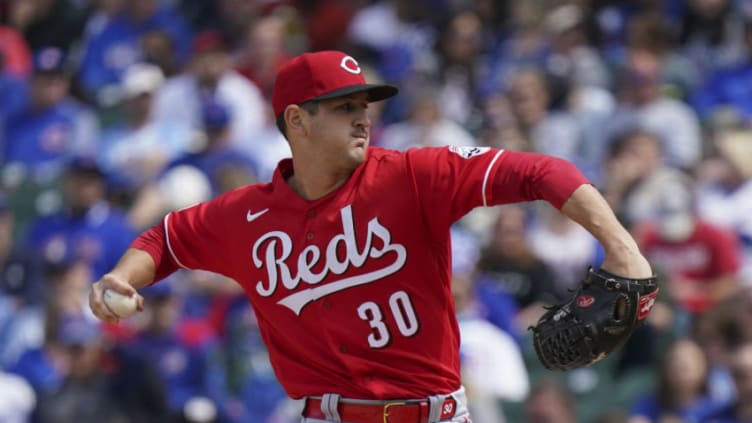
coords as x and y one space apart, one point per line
314 185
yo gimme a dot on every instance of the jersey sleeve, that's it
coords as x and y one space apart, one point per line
451 181
193 238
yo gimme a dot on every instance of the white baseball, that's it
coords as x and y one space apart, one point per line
121 305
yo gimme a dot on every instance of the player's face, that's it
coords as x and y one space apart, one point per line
340 130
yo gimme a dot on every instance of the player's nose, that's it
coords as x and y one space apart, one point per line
363 119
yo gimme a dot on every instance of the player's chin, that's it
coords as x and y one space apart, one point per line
358 152
359 145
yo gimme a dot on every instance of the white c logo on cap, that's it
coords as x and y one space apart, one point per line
349 64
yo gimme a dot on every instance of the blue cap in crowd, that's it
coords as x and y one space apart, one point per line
77 330
215 115
85 165
50 60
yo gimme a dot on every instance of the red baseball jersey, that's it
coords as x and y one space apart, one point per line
352 290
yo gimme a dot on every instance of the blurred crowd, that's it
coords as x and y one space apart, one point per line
114 112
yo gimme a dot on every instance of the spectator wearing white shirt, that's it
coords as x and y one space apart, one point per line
643 105
493 369
426 127
134 151
210 77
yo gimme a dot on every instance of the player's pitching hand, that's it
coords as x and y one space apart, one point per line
117 284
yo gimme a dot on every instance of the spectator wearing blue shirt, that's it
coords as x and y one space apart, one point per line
682 387
740 411
13 95
180 355
109 51
53 126
88 228
22 291
94 380
225 166
729 87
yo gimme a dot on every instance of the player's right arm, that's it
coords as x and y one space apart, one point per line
146 261
189 238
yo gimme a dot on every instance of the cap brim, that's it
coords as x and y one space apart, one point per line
376 92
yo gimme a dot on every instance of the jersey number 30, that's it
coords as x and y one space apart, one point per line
403 313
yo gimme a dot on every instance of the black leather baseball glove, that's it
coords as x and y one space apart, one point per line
596 320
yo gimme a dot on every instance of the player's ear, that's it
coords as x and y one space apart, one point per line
294 119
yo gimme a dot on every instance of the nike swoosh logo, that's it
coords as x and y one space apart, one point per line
253 216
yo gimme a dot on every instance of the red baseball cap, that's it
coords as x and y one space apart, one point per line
322 75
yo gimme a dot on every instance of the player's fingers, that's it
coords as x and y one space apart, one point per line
97 305
139 302
117 284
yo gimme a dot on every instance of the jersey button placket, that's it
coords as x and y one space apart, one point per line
309 236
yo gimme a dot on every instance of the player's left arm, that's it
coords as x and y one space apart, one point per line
587 207
531 176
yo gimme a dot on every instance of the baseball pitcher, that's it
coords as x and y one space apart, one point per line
345 255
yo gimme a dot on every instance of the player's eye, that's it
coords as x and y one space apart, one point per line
346 107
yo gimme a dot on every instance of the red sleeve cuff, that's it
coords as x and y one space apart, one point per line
152 241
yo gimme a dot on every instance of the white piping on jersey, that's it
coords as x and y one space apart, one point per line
169 245
485 178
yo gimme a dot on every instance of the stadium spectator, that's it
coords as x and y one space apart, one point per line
461 67
53 126
636 176
641 104
45 23
550 130
22 292
711 34
700 262
17 399
426 126
728 87
681 393
724 190
92 375
253 392
739 410
493 369
508 264
652 31
112 46
88 227
13 96
15 53
571 58
550 401
134 151
180 352
551 233
210 78
264 51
